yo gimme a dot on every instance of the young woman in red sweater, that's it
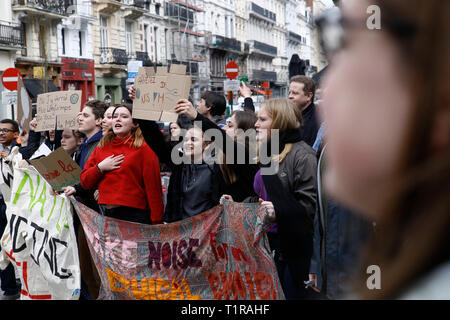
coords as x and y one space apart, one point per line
126 172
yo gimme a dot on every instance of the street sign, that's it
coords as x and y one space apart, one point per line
133 69
232 70
9 97
231 85
9 78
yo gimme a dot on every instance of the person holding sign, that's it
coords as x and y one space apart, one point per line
126 171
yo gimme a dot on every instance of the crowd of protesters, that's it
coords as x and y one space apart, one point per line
230 167
378 152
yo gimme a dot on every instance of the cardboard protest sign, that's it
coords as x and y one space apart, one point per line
40 240
220 254
24 108
58 169
157 93
63 105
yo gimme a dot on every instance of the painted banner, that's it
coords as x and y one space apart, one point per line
39 239
222 253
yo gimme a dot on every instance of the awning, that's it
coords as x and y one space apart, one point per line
34 87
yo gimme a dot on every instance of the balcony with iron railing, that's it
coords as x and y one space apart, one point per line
263 48
143 56
11 36
113 56
45 7
176 11
226 43
262 12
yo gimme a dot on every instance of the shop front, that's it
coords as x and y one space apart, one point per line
79 74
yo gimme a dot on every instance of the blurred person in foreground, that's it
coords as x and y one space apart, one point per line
387 109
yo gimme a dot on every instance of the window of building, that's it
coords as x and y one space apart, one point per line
103 32
129 37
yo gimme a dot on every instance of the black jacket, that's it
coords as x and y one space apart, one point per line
292 190
310 124
184 179
245 172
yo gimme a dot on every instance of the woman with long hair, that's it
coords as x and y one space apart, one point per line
387 107
238 168
286 185
126 171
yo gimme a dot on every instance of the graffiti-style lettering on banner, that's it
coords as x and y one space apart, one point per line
39 239
220 254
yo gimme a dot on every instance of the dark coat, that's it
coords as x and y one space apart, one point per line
292 190
310 124
182 174
339 235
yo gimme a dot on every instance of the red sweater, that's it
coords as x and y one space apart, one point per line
136 184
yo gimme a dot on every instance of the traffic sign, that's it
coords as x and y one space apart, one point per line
9 78
232 70
231 85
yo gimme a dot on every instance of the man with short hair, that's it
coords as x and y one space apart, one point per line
212 106
90 124
301 92
9 131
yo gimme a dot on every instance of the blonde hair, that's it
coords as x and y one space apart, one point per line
285 115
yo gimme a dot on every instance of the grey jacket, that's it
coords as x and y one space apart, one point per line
298 174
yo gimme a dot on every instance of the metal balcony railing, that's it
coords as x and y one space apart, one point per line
113 56
143 56
263 12
226 43
176 11
264 47
11 35
53 6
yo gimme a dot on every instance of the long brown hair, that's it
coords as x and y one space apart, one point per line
245 120
412 234
136 133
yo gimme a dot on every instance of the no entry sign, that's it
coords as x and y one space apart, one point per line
9 78
232 70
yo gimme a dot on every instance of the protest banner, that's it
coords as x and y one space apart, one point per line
7 172
222 253
58 169
39 239
24 109
157 93
59 104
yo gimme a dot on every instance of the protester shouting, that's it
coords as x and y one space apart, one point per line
126 171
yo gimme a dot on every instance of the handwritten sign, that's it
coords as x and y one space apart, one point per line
157 93
58 169
60 104
40 240
220 254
